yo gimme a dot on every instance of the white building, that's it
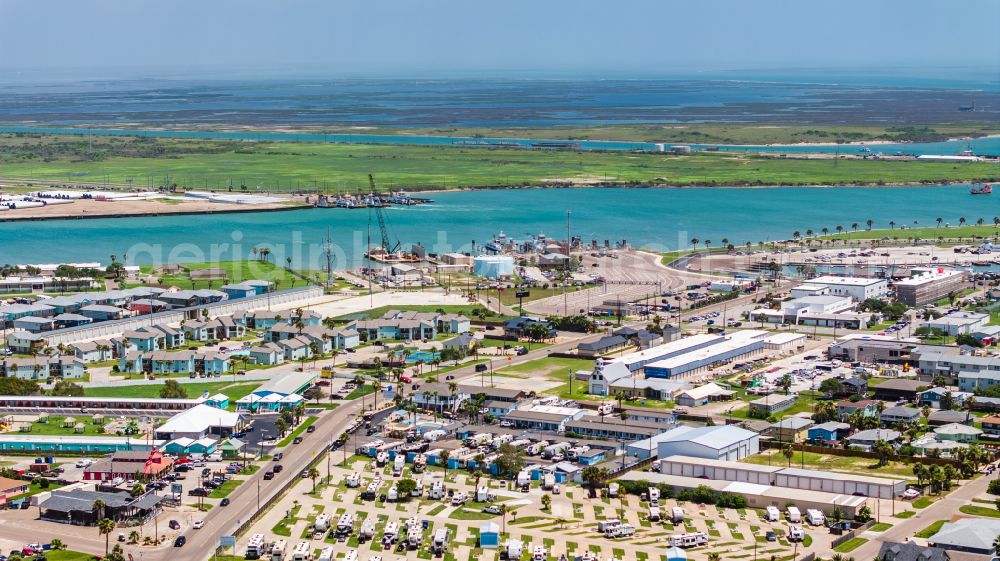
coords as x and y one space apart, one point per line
493 266
199 421
727 285
724 442
959 322
859 288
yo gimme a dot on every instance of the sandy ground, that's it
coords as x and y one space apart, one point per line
110 209
379 299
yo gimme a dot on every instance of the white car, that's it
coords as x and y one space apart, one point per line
911 494
198 524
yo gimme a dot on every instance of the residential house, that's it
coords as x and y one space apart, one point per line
867 438
190 298
92 351
234 291
771 404
296 348
212 362
855 385
791 429
979 379
958 432
910 551
261 319
439 397
603 346
35 368
71 320
499 409
34 324
128 464
703 394
217 329
830 431
144 340
24 342
147 306
172 338
899 388
67 367
937 397
969 535
463 342
546 419
991 425
867 407
267 353
517 328
892 415
948 416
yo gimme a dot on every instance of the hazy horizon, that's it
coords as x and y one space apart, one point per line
48 40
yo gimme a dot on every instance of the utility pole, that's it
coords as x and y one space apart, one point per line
329 258
569 257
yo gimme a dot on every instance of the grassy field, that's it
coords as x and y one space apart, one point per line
930 233
850 545
55 427
67 555
286 166
829 462
989 512
298 431
234 391
236 271
930 530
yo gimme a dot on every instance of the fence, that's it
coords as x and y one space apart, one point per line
777 444
852 534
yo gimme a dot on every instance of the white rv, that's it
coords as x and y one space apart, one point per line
414 536
351 555
654 514
538 553
398 464
548 481
654 496
459 499
393 494
437 490
419 463
773 514
418 491
440 541
278 550
604 525
302 552
322 523
346 524
612 490
482 494
815 517
255 547
514 549
367 531
381 459
794 515
677 515
354 480
390 533
523 478
796 533
326 554
691 539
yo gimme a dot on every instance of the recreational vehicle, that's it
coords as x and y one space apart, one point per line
354 480
514 549
255 547
398 464
367 531
326 554
302 552
794 515
654 514
548 481
390 534
815 517
278 550
346 524
796 533
440 541
437 490
691 539
773 515
538 553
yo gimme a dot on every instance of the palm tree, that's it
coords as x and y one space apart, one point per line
313 474
920 472
892 224
854 226
694 243
444 455
787 452
503 516
97 507
105 526
839 228
939 220
869 222
961 220
714 556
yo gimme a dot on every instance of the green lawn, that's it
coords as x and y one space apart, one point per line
298 431
905 514
924 501
880 527
989 512
236 271
225 489
34 488
287 166
67 555
55 427
951 232
850 545
829 462
194 389
930 530
468 514
558 370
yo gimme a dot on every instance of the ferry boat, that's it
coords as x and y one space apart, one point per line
983 190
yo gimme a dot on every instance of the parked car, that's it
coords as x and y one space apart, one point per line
180 541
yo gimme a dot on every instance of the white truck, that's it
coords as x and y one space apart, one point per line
514 549
794 515
604 525
815 517
691 539
772 514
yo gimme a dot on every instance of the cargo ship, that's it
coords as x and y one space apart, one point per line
984 190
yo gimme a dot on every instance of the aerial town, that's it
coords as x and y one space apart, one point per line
571 280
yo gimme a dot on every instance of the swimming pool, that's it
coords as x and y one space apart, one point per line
425 356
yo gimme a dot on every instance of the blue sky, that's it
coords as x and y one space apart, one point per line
545 37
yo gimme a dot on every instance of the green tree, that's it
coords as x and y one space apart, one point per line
405 487
137 490
546 501
172 389
595 477
105 526
510 460
787 452
281 425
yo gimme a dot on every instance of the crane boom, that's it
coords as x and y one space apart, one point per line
388 246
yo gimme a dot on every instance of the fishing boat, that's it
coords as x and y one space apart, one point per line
982 190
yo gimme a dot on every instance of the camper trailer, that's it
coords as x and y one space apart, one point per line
351 555
772 515
500 440
418 491
796 533
302 552
393 494
619 531
677 515
553 450
419 463
654 514
434 435
398 464
794 515
514 549
548 481
278 550
815 517
482 494
255 547
604 525
538 553
354 480
326 554
322 524
390 534
440 541
437 490
477 440
612 490
654 496
459 499
371 491
345 525
536 448
414 536
367 531
523 478
691 539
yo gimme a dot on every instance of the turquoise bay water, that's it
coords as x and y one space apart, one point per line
659 219
989 146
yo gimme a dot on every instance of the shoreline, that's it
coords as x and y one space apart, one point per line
143 214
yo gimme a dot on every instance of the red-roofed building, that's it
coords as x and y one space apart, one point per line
130 464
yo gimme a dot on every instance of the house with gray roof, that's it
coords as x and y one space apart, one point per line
970 535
